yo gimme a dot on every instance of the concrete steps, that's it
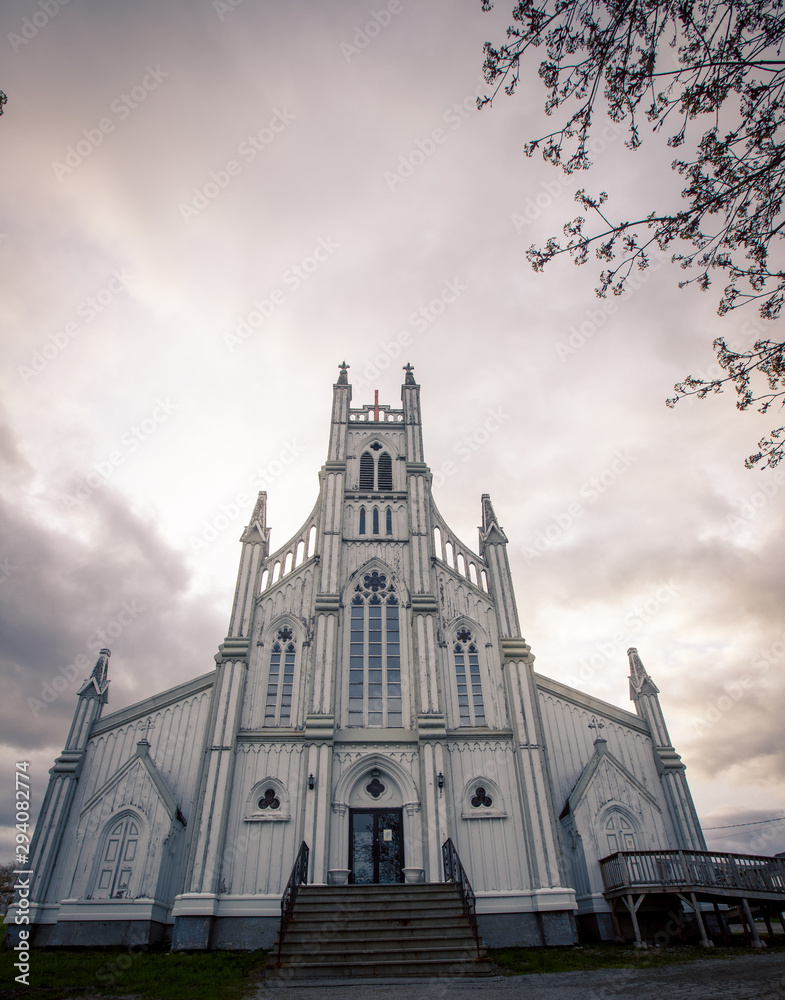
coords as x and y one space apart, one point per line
371 931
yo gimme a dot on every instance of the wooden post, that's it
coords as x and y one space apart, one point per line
699 917
723 924
633 908
756 941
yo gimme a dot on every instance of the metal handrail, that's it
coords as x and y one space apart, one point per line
299 876
455 872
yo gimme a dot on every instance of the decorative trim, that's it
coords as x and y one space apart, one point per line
516 649
233 648
424 604
327 603
152 704
334 465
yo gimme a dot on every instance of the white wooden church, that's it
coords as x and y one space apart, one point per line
373 697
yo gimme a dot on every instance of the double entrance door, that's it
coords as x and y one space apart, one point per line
375 846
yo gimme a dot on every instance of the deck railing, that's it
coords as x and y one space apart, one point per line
702 869
298 877
455 872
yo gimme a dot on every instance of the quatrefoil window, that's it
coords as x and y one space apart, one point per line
481 798
270 800
375 788
376 446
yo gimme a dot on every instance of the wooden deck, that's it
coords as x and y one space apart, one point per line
695 876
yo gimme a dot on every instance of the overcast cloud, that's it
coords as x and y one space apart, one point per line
207 206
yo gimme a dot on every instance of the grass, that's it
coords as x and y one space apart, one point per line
523 961
155 974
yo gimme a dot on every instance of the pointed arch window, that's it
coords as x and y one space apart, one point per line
471 710
362 521
118 859
376 520
620 834
375 654
366 471
385 473
280 680
388 521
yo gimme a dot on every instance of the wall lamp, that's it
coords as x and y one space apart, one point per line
311 781
440 780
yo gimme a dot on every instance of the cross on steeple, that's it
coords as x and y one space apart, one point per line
146 726
596 725
409 369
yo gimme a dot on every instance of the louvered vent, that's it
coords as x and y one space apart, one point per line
385 473
366 471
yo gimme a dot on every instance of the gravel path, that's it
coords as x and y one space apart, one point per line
751 977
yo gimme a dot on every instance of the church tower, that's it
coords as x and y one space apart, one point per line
373 697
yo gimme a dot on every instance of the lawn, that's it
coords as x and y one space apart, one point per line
155 973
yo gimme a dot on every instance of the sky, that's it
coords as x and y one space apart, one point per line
207 206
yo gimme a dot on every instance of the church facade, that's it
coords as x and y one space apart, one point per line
373 697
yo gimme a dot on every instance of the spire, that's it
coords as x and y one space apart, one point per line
490 530
96 685
640 682
257 529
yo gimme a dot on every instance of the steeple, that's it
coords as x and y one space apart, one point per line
412 417
92 695
493 549
342 398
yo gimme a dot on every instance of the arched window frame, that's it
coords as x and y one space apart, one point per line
375 520
388 523
120 885
374 680
282 657
376 469
467 673
255 813
475 807
362 521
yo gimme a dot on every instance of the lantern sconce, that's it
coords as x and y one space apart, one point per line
311 782
440 780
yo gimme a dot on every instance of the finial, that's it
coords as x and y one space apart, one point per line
101 667
596 725
409 374
146 726
343 378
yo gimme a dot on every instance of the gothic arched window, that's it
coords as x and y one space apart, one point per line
118 856
376 520
388 521
620 834
385 473
280 681
366 471
362 521
375 654
471 711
